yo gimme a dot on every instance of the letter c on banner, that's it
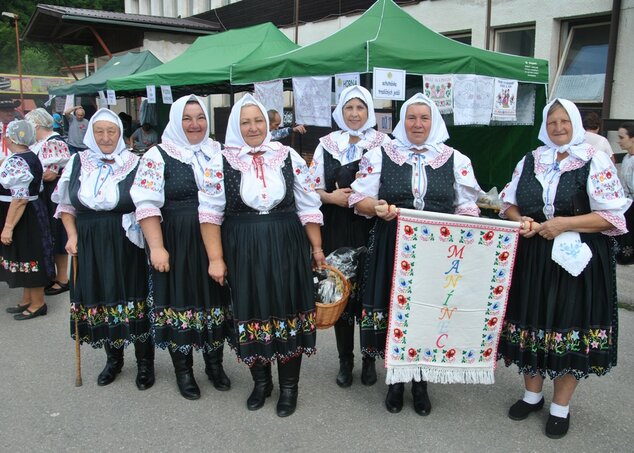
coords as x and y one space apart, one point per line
438 340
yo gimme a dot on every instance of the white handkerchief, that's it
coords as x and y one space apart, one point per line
133 229
570 253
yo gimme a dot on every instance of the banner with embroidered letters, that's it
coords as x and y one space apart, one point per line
450 286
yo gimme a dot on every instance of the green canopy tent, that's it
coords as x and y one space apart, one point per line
117 66
206 66
386 36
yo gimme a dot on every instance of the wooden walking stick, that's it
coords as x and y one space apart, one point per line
78 382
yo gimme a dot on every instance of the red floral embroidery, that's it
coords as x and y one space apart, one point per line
450 353
411 352
401 299
504 256
489 235
444 231
493 321
405 265
488 352
398 333
409 230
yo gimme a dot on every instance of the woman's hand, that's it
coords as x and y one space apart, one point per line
160 259
319 259
340 197
71 245
385 211
528 227
552 228
218 271
7 235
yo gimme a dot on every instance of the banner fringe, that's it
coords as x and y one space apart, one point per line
439 375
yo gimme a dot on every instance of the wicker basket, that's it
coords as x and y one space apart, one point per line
328 314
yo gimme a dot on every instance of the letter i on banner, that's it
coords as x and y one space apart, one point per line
112 97
151 94
166 94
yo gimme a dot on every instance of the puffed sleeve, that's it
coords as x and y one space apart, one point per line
606 194
306 199
147 191
15 175
211 191
61 194
465 186
54 155
508 194
368 180
317 166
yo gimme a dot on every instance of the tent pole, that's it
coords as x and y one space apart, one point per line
487 28
296 20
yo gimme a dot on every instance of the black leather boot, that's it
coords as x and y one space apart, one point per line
114 363
368 371
344 333
422 405
144 352
183 364
215 371
289 383
394 398
262 385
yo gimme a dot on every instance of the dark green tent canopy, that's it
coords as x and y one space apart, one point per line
117 66
206 66
385 36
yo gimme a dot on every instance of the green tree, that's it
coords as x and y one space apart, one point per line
38 58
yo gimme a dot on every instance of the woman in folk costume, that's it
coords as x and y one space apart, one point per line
53 153
561 318
109 293
262 194
26 259
415 171
190 309
336 162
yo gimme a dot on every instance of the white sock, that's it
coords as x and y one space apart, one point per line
559 411
532 397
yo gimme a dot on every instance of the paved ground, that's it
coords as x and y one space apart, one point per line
42 410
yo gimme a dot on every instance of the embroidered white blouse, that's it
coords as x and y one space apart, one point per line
148 189
603 187
337 144
263 186
466 187
98 188
15 175
53 154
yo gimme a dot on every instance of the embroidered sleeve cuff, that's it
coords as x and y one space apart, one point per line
618 223
355 198
210 217
20 193
68 209
144 213
469 210
317 218
503 210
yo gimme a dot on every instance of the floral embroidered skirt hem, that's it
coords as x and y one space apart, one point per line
377 285
109 294
557 324
28 261
269 271
190 310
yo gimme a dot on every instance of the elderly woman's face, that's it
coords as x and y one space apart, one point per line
106 135
194 123
355 114
418 123
252 125
625 141
559 126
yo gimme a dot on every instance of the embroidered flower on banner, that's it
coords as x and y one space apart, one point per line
449 355
402 300
408 250
429 355
486 238
506 241
406 268
413 355
487 354
498 291
445 234
426 234
467 237
500 275
398 335
468 356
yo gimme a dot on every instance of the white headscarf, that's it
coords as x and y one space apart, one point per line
438 134
234 138
91 143
577 145
175 134
353 92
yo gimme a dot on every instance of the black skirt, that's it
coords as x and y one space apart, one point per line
109 293
558 324
377 287
28 261
58 233
190 310
269 271
626 241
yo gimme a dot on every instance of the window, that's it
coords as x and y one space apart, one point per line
461 36
581 73
516 41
